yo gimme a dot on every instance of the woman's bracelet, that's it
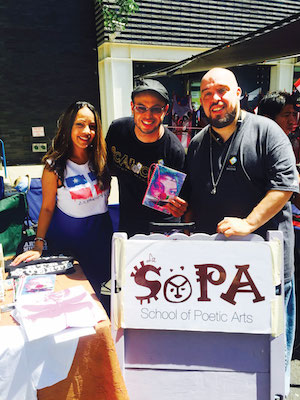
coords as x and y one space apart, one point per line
40 240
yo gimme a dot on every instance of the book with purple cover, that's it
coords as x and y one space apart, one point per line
34 283
165 183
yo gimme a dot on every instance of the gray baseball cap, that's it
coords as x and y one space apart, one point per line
151 85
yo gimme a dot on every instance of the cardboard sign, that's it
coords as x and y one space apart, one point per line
198 286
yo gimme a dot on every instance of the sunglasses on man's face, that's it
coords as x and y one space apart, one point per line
154 110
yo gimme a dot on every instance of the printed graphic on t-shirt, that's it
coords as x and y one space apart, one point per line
125 162
232 163
93 178
80 188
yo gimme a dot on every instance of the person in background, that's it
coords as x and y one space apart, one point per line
133 144
241 172
74 215
282 108
201 118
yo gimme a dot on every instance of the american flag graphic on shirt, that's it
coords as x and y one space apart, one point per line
80 188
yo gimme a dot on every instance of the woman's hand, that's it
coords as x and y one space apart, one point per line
29 255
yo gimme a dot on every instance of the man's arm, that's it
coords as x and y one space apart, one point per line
269 206
188 216
296 198
109 155
177 206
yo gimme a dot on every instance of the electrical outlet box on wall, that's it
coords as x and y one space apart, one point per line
39 147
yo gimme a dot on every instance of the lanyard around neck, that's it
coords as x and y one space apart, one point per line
216 181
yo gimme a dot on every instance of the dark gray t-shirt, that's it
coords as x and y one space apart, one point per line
260 159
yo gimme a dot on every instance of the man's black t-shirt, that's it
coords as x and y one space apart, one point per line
130 159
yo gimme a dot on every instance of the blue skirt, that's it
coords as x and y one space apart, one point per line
87 239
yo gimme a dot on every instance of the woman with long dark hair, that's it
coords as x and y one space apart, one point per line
74 215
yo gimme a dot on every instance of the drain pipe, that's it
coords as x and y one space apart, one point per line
3 158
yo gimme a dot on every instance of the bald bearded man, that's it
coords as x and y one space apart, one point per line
241 174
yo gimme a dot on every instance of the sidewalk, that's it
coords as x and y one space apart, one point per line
295 381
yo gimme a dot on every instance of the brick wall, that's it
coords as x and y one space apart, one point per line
48 59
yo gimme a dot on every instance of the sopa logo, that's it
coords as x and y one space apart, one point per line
178 288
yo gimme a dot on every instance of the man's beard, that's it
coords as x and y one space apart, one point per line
225 121
154 129
146 131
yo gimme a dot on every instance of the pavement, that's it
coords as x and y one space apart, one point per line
295 381
295 373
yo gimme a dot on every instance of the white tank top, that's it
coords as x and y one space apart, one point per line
81 196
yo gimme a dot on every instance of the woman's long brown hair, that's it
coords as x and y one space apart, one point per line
61 148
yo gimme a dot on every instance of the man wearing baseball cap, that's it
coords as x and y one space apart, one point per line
133 144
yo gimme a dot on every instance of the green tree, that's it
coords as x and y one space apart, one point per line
117 13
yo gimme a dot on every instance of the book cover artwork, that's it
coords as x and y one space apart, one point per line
165 183
33 284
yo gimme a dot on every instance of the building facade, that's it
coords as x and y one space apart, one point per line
54 54
168 31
